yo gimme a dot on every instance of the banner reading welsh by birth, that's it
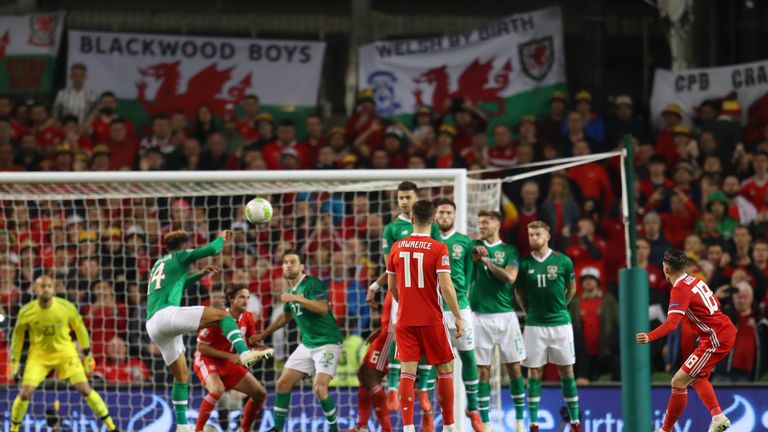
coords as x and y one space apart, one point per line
497 64
748 82
165 73
28 48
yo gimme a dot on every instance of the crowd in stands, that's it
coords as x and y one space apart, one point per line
701 187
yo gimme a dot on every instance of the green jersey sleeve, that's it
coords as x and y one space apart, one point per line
569 274
387 239
187 257
316 290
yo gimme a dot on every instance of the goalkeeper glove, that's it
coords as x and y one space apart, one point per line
88 364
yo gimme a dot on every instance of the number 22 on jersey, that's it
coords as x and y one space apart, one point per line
707 297
156 277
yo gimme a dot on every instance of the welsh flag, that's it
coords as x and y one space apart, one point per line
28 48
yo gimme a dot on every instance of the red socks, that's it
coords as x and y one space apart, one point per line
251 410
363 407
445 396
677 401
706 393
379 401
206 408
406 389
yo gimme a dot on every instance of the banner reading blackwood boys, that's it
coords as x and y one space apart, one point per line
28 48
511 65
166 73
748 82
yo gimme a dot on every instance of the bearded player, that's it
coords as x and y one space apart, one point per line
219 368
545 285
49 321
460 252
417 268
167 322
692 298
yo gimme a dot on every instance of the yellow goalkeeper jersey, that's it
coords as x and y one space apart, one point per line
49 329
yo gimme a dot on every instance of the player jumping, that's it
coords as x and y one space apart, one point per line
49 321
416 264
492 301
320 349
219 369
692 298
167 322
460 252
545 285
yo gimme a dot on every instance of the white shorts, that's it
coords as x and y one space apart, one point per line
322 359
466 342
167 325
549 345
498 329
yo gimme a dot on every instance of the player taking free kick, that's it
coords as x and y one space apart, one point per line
418 265
167 322
49 321
692 298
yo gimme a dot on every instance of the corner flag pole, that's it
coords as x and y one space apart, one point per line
633 313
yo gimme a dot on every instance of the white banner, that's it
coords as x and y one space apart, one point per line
182 71
748 82
489 63
38 34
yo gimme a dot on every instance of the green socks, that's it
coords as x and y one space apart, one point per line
469 376
484 400
230 329
393 372
517 390
423 376
282 401
534 397
329 409
180 397
571 396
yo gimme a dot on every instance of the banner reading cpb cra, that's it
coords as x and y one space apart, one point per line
166 73
498 64
28 48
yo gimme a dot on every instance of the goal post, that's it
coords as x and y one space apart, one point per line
67 224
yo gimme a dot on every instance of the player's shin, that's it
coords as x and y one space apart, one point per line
571 396
229 327
677 402
329 409
250 412
282 401
484 401
706 393
469 376
379 402
406 389
363 407
100 409
534 398
445 396
180 397
18 411
517 390
206 408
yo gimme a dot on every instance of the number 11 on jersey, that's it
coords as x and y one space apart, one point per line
419 257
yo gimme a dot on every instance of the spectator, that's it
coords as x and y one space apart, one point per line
586 249
755 188
356 221
326 158
70 128
655 187
105 317
100 119
63 158
29 155
528 212
624 121
502 154
118 368
417 161
10 293
477 152
153 160
727 129
363 119
161 138
594 126
551 127
101 160
717 204
286 138
393 145
656 282
467 118
560 211
745 361
315 138
45 128
248 124
443 155
574 131
123 148
592 179
672 116
214 157
75 100
595 315
289 159
379 159
739 207
679 221
205 124
655 236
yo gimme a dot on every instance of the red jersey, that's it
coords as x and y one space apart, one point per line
692 298
416 260
214 337
755 191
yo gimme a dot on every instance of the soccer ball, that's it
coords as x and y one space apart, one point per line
258 211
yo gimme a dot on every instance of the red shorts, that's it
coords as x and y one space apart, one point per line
704 358
230 373
415 342
377 356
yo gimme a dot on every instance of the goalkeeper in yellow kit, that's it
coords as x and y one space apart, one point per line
49 320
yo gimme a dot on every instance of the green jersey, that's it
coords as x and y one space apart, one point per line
315 329
543 284
399 229
460 251
490 295
170 275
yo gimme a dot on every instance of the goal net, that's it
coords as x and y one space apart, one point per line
98 235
